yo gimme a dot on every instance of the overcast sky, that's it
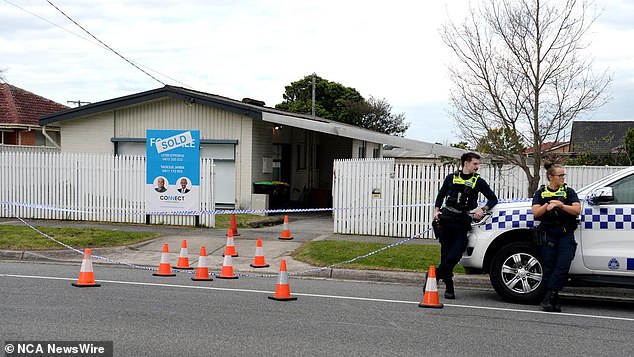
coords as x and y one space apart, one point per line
386 49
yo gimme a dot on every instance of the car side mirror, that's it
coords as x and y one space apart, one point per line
601 195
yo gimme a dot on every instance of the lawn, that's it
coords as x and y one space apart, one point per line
25 238
404 257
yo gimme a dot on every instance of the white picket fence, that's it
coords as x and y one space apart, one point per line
380 197
88 187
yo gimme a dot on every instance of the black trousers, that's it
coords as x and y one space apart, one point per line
453 242
557 253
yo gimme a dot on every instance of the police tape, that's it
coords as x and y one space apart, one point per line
233 211
140 267
115 262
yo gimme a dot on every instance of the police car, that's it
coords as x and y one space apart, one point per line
502 246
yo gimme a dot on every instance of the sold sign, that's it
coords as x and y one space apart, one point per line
176 141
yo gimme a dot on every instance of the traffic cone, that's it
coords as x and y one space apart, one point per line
234 225
282 289
202 271
430 296
258 260
164 267
231 248
183 259
86 275
286 233
227 267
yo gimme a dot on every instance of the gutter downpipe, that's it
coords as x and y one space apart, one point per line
48 137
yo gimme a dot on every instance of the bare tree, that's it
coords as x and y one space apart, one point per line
520 70
2 78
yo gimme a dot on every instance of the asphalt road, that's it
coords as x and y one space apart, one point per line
149 316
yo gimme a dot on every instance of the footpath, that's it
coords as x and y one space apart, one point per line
303 227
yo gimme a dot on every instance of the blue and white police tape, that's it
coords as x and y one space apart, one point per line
134 266
226 211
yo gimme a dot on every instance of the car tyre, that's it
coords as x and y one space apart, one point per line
516 273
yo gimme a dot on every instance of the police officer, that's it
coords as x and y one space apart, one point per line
556 206
459 192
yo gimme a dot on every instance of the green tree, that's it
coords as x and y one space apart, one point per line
461 145
519 67
500 140
376 114
628 145
337 102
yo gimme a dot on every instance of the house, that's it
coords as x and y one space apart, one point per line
598 137
550 148
19 114
406 156
249 142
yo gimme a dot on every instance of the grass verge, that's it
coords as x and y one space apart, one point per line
24 238
404 257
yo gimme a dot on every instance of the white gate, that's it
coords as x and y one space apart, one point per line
380 197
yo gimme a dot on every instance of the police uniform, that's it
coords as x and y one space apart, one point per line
558 246
459 192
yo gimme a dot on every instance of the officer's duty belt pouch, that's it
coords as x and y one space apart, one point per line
435 224
538 235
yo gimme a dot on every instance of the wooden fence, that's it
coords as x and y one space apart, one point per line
90 187
380 197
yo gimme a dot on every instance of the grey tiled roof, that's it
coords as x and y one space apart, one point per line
598 136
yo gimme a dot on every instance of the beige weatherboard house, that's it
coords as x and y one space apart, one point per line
251 144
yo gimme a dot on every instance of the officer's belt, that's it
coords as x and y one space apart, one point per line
451 209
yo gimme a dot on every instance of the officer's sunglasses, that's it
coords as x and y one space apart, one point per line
562 175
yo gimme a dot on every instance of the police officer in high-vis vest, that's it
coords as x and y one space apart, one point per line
459 192
556 206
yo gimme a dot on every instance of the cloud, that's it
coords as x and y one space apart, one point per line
254 48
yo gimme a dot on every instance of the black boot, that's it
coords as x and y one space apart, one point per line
556 303
547 303
449 291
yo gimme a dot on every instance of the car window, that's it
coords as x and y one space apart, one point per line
624 190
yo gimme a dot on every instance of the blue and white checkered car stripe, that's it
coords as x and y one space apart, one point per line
596 218
516 218
607 218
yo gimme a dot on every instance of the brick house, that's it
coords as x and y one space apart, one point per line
20 111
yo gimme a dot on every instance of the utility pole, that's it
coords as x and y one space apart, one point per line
313 103
77 102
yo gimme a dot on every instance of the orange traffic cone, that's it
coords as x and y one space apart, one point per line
286 233
282 289
234 225
430 297
227 267
183 260
202 271
258 260
86 275
231 248
164 267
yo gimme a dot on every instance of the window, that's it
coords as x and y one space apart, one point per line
623 190
376 153
361 152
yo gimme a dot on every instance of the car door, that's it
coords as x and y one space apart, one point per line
607 230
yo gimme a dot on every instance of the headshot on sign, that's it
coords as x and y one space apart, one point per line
184 182
160 183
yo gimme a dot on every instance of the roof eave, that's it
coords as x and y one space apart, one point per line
137 98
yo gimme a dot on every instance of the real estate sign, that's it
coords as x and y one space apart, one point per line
172 171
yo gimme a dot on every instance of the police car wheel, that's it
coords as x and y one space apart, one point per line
516 273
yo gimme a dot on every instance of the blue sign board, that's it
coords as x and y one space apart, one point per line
172 170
